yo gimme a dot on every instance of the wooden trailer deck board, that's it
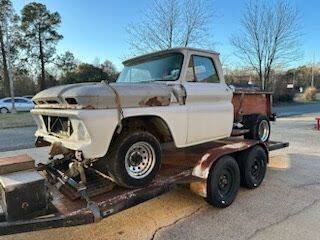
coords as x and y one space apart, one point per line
16 163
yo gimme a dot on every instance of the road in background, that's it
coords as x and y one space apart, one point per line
17 138
297 109
21 138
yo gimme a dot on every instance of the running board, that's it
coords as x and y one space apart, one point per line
239 132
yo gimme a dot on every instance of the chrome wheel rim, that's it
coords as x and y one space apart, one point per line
264 130
140 160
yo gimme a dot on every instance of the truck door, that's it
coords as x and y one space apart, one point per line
209 106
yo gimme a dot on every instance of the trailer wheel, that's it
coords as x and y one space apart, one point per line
253 166
223 182
260 129
134 159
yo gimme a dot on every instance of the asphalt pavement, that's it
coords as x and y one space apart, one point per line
16 138
285 111
285 206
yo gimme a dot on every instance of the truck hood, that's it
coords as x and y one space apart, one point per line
103 95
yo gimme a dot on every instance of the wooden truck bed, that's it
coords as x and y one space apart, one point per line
248 103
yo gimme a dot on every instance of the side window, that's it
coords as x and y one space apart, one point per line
7 101
190 72
19 100
204 70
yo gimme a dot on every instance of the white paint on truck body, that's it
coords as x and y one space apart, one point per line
100 125
206 114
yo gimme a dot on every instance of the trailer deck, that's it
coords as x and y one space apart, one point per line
102 198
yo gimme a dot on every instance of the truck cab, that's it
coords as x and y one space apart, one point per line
207 98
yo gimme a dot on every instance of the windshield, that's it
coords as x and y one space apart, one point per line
164 68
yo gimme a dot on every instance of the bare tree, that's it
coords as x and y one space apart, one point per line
270 36
197 16
171 23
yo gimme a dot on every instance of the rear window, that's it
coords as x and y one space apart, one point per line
202 69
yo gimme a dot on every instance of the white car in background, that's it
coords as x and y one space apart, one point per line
21 104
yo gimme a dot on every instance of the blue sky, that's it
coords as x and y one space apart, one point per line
96 29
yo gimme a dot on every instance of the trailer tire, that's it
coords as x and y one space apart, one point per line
253 167
134 159
223 182
259 127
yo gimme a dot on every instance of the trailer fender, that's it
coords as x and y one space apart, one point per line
202 168
208 160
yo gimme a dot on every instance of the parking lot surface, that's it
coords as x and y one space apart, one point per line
286 206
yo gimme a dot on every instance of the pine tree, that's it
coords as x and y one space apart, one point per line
39 26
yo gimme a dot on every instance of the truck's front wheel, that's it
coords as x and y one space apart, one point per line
134 159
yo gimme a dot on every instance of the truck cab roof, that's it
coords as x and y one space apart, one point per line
182 50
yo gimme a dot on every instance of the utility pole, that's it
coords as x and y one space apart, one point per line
13 110
312 70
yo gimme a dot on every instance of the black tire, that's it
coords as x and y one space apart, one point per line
221 193
117 157
4 110
260 121
253 167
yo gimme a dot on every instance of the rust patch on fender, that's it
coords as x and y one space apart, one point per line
228 146
199 188
155 101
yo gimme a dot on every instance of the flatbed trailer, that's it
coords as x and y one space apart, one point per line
196 166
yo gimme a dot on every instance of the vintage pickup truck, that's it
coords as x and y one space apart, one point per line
174 95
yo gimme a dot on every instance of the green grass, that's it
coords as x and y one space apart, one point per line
16 120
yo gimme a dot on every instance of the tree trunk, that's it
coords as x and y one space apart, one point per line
260 75
42 83
6 81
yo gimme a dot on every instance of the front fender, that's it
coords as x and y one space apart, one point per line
175 117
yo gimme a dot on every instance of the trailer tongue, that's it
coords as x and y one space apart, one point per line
66 202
